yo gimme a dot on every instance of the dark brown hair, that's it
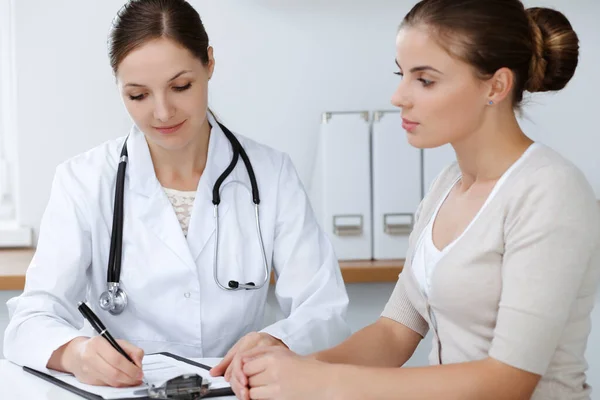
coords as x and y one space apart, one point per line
140 21
537 44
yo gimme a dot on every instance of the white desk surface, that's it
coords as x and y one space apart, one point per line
16 384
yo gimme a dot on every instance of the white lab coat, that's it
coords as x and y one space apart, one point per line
174 302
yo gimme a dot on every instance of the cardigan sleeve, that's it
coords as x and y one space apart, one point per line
551 241
400 309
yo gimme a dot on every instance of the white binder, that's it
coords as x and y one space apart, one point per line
396 186
341 185
434 161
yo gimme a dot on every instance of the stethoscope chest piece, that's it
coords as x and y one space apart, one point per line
114 300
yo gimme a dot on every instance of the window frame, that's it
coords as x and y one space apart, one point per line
12 233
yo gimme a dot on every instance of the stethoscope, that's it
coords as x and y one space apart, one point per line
114 299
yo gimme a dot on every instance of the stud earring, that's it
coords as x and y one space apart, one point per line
491 102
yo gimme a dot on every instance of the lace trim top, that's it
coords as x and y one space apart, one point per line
182 204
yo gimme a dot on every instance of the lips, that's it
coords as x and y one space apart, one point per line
409 125
169 129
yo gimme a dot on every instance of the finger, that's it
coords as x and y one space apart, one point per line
220 368
257 352
260 379
134 352
227 374
237 370
254 366
237 388
242 392
245 394
116 360
232 366
248 342
262 393
110 375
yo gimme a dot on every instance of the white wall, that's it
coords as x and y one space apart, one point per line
67 100
279 65
568 120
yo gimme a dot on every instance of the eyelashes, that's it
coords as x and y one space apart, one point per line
182 88
424 82
139 97
175 88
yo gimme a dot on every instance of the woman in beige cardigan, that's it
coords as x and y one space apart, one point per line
503 263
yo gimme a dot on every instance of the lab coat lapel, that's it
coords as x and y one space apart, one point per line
202 222
151 204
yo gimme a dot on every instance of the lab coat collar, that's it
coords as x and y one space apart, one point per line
202 222
158 214
140 170
142 177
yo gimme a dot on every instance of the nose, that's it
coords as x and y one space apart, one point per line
401 97
163 109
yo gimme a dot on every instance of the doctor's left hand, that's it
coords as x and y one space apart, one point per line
231 365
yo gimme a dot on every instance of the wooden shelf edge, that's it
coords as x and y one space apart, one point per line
371 275
10 282
355 271
369 271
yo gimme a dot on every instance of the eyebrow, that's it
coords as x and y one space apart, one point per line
421 68
172 79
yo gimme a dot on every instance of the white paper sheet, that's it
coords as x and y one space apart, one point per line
157 369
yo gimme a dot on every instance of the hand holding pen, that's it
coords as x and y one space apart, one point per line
102 360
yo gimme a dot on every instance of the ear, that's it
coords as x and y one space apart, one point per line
211 62
500 85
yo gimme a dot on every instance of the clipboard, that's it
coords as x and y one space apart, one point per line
91 396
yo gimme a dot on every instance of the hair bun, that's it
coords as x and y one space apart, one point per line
555 50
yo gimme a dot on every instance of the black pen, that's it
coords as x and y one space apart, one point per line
99 327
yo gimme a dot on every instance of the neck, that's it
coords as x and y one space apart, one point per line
486 154
181 169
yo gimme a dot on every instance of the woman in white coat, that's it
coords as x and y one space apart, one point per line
177 151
